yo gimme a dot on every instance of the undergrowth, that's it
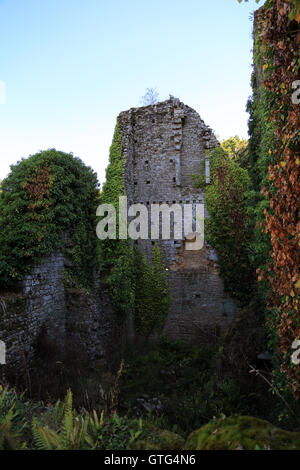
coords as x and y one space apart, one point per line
184 379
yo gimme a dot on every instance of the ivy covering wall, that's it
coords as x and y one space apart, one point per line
136 287
274 152
48 202
152 293
115 256
228 227
254 214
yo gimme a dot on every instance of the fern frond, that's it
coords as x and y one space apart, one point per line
44 437
68 422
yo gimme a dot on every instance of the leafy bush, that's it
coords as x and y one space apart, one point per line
12 422
35 426
274 154
227 228
183 377
45 199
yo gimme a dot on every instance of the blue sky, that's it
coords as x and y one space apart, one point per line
71 66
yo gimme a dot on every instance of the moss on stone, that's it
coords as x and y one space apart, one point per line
160 440
242 432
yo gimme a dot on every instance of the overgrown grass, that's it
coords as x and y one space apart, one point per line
105 413
183 378
30 425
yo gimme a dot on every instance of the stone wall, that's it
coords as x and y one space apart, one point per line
44 318
200 309
92 331
37 310
163 146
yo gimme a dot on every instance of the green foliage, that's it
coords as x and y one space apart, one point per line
236 148
71 433
244 433
295 10
115 256
183 377
227 228
120 279
261 133
152 293
259 157
11 422
270 98
135 287
199 179
116 432
114 184
35 426
45 198
160 440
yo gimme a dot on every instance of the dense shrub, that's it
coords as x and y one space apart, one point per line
47 199
29 425
227 229
274 153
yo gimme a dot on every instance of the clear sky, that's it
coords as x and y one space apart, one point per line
71 66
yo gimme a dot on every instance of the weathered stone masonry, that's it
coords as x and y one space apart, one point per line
46 314
163 146
38 309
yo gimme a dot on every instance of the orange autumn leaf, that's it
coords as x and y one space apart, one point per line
282 220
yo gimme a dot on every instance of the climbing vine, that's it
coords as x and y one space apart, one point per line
274 146
136 287
282 219
115 256
152 293
227 228
45 199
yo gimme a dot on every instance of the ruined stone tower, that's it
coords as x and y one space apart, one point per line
163 146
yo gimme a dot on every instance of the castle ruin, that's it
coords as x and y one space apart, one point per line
163 146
